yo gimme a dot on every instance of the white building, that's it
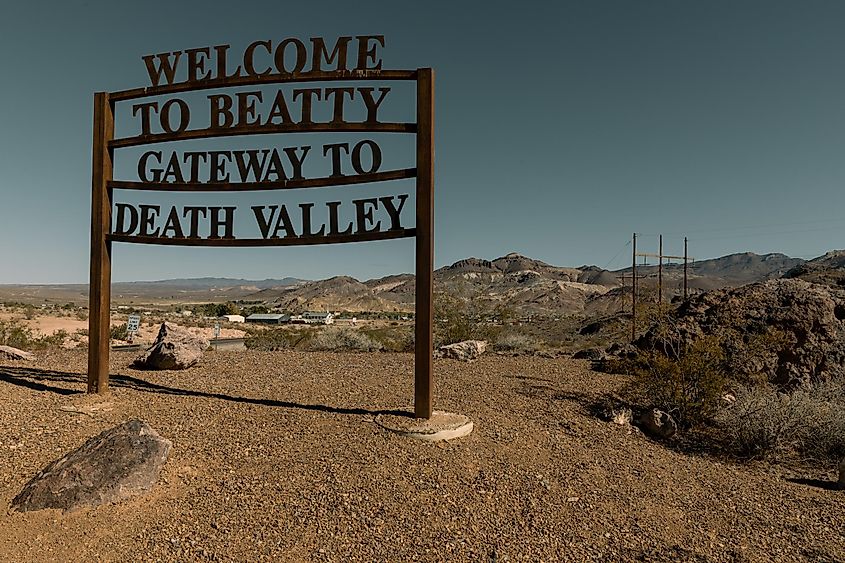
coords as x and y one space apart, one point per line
233 318
312 317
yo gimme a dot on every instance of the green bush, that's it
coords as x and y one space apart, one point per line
392 338
456 320
120 332
16 335
270 340
344 339
689 386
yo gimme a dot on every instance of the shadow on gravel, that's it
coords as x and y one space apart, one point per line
818 483
40 379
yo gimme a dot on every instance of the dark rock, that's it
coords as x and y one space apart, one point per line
788 331
657 424
842 474
119 463
174 348
594 354
622 350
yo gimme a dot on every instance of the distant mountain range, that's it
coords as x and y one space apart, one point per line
526 285
523 284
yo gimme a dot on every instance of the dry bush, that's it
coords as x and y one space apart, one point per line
344 339
809 422
516 342
269 340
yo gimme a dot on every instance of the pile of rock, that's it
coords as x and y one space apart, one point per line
789 331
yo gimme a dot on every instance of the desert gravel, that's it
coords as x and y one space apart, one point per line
276 456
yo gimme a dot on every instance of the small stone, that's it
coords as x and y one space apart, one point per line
658 424
15 353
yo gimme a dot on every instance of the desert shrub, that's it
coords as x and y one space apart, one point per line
82 315
344 339
392 338
270 340
15 334
516 342
19 336
688 384
55 340
456 320
764 422
119 332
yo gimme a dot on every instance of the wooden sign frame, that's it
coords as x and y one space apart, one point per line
103 184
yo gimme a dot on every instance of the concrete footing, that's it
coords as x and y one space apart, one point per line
441 426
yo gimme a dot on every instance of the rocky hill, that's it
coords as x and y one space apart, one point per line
828 269
525 285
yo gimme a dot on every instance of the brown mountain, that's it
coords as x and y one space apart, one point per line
525 285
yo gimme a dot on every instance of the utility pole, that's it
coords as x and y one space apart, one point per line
660 257
686 293
634 290
660 273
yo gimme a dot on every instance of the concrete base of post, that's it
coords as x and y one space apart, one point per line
441 426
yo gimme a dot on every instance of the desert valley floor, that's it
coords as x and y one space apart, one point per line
276 456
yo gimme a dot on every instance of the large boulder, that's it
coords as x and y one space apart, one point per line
174 348
464 351
122 462
787 331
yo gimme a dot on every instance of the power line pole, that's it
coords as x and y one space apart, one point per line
660 272
660 257
634 290
686 293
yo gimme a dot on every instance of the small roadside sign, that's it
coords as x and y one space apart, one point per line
216 331
132 326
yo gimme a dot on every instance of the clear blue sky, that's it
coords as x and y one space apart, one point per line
562 127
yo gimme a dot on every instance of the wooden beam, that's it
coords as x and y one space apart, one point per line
424 323
99 288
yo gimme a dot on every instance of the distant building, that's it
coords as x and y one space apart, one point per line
233 318
313 317
268 318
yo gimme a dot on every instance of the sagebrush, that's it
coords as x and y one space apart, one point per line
767 423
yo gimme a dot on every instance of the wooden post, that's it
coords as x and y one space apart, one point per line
425 245
634 290
660 273
99 288
686 294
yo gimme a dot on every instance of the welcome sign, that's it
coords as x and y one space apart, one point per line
240 99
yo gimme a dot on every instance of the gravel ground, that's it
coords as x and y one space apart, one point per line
276 457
